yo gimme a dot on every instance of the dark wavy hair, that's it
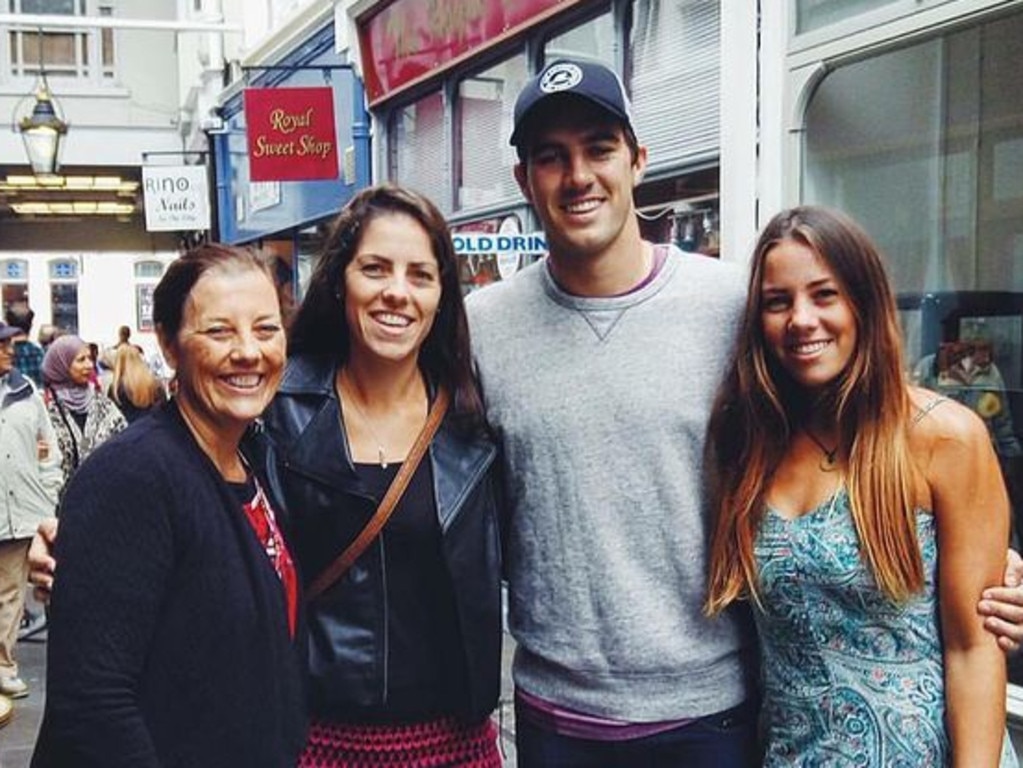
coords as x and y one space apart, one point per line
321 328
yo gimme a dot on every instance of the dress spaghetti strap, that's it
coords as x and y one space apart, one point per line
930 406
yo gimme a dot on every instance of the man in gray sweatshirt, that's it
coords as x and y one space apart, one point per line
598 366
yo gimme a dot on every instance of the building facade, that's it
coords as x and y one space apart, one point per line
441 82
289 217
132 78
904 113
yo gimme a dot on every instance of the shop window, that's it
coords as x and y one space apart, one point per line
494 249
281 254
148 270
674 50
144 306
13 283
64 294
80 54
814 14
483 122
593 39
924 147
147 274
684 210
419 157
309 246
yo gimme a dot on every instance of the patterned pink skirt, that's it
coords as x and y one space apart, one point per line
430 744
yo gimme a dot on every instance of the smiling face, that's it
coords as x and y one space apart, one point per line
808 322
392 289
579 175
80 370
229 354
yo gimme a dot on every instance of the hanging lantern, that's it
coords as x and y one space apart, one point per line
42 131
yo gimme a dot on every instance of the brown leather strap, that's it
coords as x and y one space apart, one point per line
329 575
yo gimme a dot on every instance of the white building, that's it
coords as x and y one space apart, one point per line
137 81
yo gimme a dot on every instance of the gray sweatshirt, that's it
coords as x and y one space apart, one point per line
601 407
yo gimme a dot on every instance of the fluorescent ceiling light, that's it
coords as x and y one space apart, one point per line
78 208
16 183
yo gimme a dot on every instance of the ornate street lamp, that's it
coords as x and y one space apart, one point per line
42 130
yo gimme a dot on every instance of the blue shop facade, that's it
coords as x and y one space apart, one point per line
290 219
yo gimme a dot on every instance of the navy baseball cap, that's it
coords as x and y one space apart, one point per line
587 79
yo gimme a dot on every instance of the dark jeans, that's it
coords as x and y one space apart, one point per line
723 740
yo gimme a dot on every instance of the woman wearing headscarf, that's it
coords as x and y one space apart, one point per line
82 417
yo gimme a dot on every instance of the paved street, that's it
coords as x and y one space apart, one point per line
505 712
17 739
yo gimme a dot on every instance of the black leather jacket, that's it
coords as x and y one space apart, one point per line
347 624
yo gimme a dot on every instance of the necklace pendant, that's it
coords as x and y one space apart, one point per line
380 455
828 461
829 457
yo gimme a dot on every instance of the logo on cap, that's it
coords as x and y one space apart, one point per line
561 77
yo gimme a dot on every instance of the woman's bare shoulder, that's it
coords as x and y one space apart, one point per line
934 417
945 436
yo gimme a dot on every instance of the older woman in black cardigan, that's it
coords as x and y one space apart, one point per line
173 624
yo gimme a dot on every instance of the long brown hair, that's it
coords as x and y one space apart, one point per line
133 380
321 327
759 408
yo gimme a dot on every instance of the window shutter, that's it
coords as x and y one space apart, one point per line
420 159
674 85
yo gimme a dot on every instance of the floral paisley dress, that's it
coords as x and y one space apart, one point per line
850 679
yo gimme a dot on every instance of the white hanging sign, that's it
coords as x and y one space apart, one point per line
176 198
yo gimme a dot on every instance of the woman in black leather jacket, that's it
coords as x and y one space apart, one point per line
404 650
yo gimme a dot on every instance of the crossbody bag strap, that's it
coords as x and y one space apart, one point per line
329 575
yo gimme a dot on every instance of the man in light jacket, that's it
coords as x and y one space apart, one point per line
30 478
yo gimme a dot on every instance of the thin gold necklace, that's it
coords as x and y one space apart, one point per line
351 400
830 459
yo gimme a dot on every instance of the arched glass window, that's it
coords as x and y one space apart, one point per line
64 294
924 147
147 274
13 283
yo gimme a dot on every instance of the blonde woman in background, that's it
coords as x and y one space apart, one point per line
133 386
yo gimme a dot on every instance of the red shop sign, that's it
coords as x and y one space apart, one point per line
410 40
291 134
